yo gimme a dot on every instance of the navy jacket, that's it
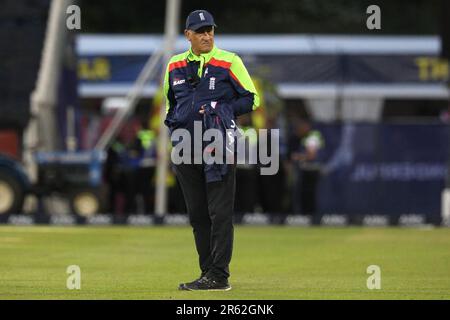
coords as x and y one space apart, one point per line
221 118
215 78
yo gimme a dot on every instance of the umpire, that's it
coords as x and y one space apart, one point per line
198 83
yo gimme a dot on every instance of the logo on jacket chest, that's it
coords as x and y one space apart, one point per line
177 82
212 83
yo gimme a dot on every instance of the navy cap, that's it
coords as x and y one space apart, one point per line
198 19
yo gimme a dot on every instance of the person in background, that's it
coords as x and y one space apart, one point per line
146 144
272 188
131 162
246 173
112 173
176 202
306 145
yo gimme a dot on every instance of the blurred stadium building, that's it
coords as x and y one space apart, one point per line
381 103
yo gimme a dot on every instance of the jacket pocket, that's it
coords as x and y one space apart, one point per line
183 112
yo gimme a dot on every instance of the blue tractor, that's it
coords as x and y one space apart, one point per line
77 176
14 185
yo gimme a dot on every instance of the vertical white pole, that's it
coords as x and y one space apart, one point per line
41 131
171 34
445 207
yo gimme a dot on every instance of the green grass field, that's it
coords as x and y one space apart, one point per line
268 263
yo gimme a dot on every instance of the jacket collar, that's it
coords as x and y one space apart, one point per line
206 56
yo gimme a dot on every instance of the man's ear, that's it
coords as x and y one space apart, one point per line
187 34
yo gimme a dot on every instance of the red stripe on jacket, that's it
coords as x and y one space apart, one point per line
225 65
212 62
177 65
220 63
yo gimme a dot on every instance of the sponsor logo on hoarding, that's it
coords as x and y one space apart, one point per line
256 219
100 220
297 220
140 220
62 220
20 220
176 219
334 220
411 220
375 220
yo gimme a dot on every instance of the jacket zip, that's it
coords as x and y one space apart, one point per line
200 67
193 99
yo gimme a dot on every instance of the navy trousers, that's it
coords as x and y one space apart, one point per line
210 207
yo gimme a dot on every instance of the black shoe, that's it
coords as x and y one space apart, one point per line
182 286
206 284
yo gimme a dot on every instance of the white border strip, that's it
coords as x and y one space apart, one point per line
106 44
291 91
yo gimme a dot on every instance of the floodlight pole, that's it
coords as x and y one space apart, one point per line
170 37
132 99
448 126
41 132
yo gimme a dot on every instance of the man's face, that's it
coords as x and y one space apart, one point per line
202 40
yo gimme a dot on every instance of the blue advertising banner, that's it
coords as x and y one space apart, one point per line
290 68
383 169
